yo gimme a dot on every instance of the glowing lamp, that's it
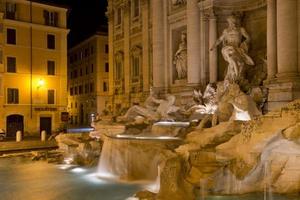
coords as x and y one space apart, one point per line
40 83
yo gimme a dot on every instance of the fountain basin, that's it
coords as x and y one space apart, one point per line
133 158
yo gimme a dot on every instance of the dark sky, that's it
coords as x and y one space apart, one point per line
85 17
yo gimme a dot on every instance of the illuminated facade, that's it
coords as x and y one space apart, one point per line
33 66
88 83
166 44
130 52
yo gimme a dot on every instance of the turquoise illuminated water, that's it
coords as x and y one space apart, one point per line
23 179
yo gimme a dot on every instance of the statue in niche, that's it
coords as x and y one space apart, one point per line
180 58
235 42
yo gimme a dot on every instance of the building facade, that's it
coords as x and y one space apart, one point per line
130 36
173 40
88 81
33 66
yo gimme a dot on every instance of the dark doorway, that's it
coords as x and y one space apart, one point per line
46 124
14 123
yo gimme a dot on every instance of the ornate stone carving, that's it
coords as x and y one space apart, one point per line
178 2
154 109
235 42
180 58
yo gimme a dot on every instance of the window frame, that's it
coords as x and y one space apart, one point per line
49 102
54 68
7 64
51 46
15 96
15 36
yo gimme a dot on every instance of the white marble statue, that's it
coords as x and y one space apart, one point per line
180 58
235 42
154 109
244 108
207 103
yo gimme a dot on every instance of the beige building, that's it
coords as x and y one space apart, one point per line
146 37
88 81
130 44
33 66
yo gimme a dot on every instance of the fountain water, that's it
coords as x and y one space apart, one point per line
267 181
203 192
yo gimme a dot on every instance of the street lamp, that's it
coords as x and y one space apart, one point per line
40 83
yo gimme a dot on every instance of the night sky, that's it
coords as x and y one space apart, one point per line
85 17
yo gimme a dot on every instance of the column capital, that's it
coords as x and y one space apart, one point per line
212 13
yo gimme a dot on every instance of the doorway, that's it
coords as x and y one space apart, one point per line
46 125
14 123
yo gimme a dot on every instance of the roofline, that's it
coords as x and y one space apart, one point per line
98 33
51 4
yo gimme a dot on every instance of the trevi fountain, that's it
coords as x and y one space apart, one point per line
222 145
227 142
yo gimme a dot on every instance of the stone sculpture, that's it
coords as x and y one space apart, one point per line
180 58
235 42
207 103
154 109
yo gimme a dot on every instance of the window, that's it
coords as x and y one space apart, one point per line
11 65
51 67
50 41
106 67
86 88
80 89
76 119
92 68
106 48
86 52
51 96
87 70
12 96
51 18
92 49
71 91
135 8
105 86
135 67
11 9
11 36
118 16
91 87
75 73
118 71
80 72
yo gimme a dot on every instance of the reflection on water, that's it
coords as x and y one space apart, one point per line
21 178
24 179
258 196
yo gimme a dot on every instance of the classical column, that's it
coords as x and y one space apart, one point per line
146 49
158 44
287 38
271 39
203 45
213 55
126 29
110 16
193 42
